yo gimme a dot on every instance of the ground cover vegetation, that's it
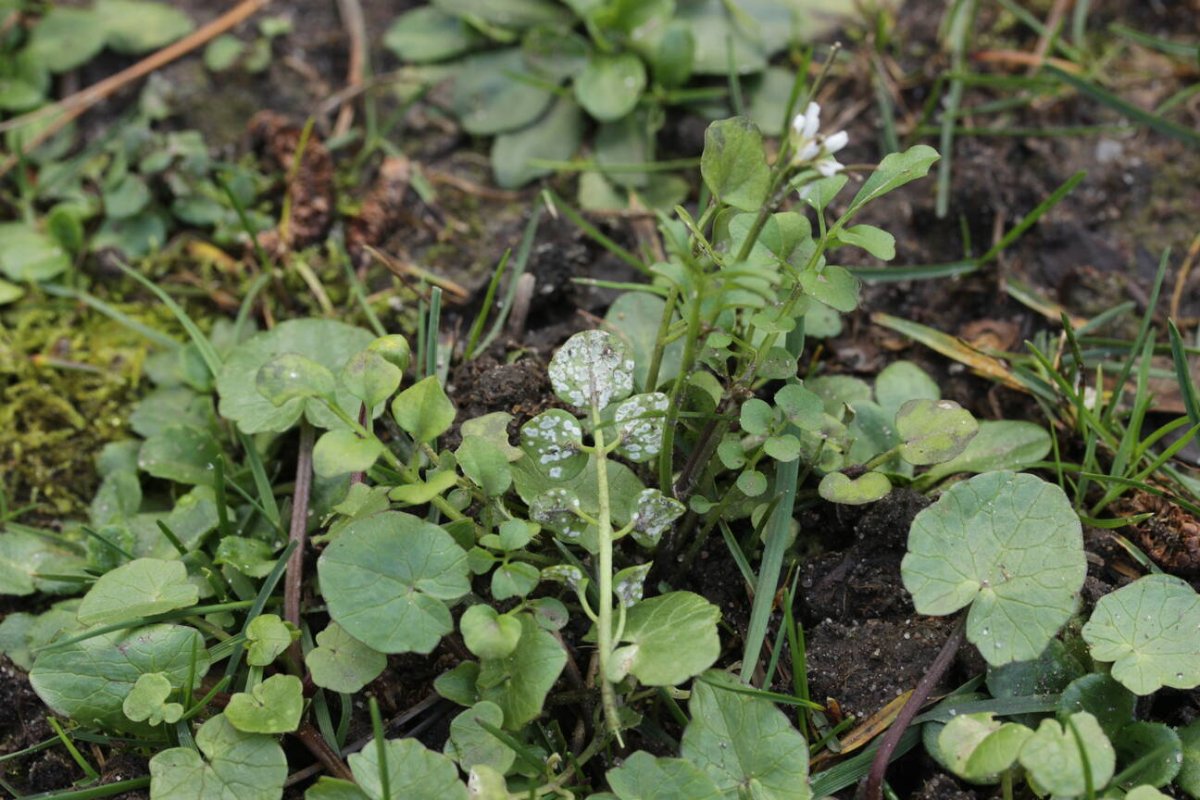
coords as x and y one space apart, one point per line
319 483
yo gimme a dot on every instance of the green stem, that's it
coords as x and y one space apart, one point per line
666 461
604 612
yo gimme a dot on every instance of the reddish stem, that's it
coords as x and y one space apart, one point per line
298 533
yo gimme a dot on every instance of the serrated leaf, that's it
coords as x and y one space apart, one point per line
667 640
342 451
520 682
470 744
342 663
1054 761
1148 630
644 777
837 487
593 368
272 706
414 772
141 588
268 637
89 679
933 431
653 515
488 634
639 423
1009 545
744 743
734 163
229 764
147 700
423 410
386 577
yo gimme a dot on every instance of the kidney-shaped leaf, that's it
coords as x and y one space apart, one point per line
592 368
745 744
331 344
272 706
342 663
644 777
89 680
933 431
385 578
1149 630
138 589
1010 546
230 763
414 772
668 639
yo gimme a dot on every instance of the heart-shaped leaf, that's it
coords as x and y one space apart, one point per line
1009 545
423 410
229 763
834 286
268 637
558 510
837 487
653 515
272 706
488 634
639 422
342 663
933 431
485 464
385 578
734 163
1148 630
667 639
629 584
593 368
147 700
644 777
141 588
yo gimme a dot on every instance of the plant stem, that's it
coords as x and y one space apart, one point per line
604 611
297 533
874 785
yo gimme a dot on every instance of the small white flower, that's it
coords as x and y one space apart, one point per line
812 149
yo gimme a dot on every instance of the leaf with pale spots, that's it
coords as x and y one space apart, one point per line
652 516
1150 631
593 368
554 440
629 584
1008 545
558 510
569 574
640 426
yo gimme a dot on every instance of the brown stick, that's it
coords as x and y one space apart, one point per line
298 533
356 28
70 108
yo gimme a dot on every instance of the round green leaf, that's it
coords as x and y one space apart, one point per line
429 34
1148 630
268 637
147 700
977 747
423 410
1139 740
1189 771
1054 759
414 772
385 578
740 741
1000 444
89 679
933 431
291 376
520 682
136 26
371 377
66 38
128 197
470 744
27 255
752 483
342 663
1098 694
140 588
488 634
667 640
491 98
329 343
837 487
181 453
514 579
1009 545
593 368
394 349
341 451
902 381
610 85
644 777
272 706
229 764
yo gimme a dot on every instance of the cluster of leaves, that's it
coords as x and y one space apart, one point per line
529 72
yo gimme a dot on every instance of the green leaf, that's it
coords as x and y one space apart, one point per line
458 684
423 410
436 483
147 700
593 368
385 578
558 53
342 451
875 241
490 96
644 777
555 136
653 515
752 483
639 426
674 55
27 255
1189 771
1148 631
327 788
485 464
128 197
370 377
329 343
800 406
291 376
342 663
515 14
834 286
554 440
756 417
429 34
229 764
140 588
414 772
488 634
66 38
745 744
900 382
610 85
135 26
977 748
252 557
10 292
999 444
1139 740
933 431
394 349
181 453
1009 545
635 318
89 679
269 637
1054 759
895 170
837 487
470 744
1098 694
272 706
514 579
667 639
734 163
520 682
24 554
223 52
